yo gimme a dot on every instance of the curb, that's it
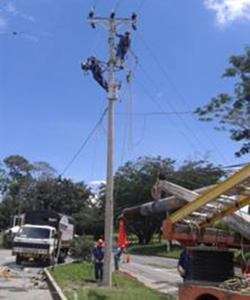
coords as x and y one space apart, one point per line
55 290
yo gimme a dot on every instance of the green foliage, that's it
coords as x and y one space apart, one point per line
77 279
233 112
90 221
82 248
27 186
134 180
197 174
155 250
133 183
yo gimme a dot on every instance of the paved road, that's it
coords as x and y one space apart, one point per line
156 272
28 283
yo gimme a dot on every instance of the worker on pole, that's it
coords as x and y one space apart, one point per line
93 65
122 47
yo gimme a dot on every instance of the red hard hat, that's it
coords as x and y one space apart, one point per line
100 243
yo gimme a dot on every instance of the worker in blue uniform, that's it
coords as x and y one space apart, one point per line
183 266
117 257
98 255
93 65
123 47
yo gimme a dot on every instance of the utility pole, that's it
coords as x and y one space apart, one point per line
111 23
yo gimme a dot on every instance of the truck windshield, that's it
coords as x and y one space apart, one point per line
34 233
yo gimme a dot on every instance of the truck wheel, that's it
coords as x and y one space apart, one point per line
18 260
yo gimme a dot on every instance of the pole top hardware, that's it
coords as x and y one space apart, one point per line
133 18
91 16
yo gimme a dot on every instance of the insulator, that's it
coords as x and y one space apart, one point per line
134 27
134 16
112 15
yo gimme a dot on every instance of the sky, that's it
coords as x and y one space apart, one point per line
49 107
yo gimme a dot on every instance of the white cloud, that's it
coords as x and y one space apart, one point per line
97 182
11 9
229 10
3 23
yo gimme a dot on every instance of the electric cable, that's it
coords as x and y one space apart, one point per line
157 113
178 93
96 148
84 142
95 4
118 3
152 98
140 6
152 81
169 103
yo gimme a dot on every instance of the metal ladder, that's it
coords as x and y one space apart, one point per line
217 202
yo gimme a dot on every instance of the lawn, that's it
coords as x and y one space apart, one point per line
76 281
159 249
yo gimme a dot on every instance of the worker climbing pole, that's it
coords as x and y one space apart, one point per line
111 85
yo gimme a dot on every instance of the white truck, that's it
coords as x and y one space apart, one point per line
45 236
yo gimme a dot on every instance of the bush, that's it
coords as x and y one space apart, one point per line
82 248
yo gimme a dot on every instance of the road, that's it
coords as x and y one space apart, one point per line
27 282
156 272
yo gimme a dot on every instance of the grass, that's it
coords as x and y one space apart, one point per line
155 250
76 281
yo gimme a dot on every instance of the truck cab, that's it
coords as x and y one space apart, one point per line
36 242
46 236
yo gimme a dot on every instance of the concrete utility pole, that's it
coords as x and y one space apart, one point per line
111 23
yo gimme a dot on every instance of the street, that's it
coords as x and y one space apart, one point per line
27 281
21 282
156 272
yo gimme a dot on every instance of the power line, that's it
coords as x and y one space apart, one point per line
95 4
85 142
157 113
151 97
179 94
118 3
140 6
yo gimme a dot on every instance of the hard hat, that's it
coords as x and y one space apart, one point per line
92 58
100 243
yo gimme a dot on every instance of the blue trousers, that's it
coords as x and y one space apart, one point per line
120 53
98 271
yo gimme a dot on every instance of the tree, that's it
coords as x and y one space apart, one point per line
133 183
233 111
25 186
18 167
197 174
43 170
134 180
17 185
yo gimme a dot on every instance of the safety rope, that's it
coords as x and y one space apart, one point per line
237 284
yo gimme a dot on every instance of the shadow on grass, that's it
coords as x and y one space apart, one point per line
93 295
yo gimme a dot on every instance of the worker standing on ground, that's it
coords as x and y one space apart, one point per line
122 47
183 266
93 65
98 254
117 257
